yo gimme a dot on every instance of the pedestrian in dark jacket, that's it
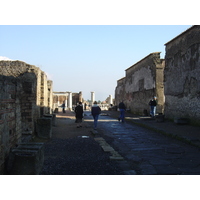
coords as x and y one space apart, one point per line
153 104
63 107
95 111
122 109
79 114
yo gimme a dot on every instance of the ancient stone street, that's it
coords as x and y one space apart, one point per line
150 152
115 148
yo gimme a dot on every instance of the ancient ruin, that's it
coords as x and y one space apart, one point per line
181 76
67 99
142 81
26 95
173 80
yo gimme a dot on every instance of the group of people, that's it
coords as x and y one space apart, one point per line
152 104
95 111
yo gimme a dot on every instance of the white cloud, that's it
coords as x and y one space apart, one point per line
4 58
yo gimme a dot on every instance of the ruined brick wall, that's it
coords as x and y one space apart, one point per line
43 94
27 74
142 81
120 91
181 75
58 99
38 80
24 88
76 97
27 98
10 116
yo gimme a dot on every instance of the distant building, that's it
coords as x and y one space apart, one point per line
68 98
142 81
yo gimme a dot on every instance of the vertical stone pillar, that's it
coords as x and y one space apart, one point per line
92 97
110 99
66 104
70 100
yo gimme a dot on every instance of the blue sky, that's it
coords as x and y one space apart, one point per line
85 57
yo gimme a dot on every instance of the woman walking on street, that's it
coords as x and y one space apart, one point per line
79 114
95 111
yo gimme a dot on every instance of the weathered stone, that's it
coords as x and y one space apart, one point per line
44 128
52 117
26 159
181 76
25 94
142 81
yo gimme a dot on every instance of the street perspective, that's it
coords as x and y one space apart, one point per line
75 113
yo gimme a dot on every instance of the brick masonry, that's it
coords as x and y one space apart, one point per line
25 96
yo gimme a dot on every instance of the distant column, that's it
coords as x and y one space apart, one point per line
66 104
70 101
110 99
92 97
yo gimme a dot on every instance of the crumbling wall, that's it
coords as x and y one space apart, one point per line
35 84
120 91
43 94
10 116
25 96
181 76
50 97
142 81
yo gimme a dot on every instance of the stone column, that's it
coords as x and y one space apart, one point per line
70 100
66 104
92 97
110 99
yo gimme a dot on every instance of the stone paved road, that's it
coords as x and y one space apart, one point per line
148 152
73 151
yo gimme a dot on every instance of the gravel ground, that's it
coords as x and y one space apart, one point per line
73 151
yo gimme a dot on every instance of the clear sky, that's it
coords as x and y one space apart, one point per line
87 45
85 57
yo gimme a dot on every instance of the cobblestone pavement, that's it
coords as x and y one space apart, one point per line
149 152
115 149
73 151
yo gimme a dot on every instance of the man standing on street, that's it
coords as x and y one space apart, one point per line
79 114
122 109
153 105
96 111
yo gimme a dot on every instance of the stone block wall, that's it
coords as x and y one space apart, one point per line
142 81
10 116
25 95
50 97
181 76
43 93
120 91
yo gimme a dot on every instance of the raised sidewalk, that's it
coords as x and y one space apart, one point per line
186 132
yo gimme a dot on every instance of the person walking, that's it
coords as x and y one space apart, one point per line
122 109
153 104
95 111
79 114
63 107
